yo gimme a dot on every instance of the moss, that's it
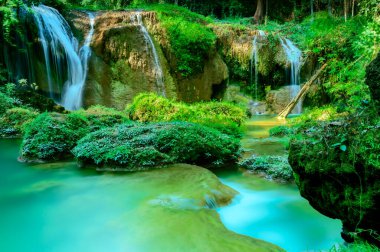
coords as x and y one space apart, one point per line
14 121
51 136
99 117
225 117
274 167
281 131
336 165
140 146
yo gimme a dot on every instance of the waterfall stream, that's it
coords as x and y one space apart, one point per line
255 60
136 19
294 57
66 66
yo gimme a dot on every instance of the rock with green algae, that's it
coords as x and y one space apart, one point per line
136 147
14 121
51 136
337 168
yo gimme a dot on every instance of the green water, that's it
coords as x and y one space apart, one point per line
58 207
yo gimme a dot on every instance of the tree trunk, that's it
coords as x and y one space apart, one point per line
300 94
312 8
259 12
329 8
266 12
345 10
353 7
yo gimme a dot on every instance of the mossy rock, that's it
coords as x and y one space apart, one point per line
272 167
14 121
223 116
337 169
100 117
141 146
51 136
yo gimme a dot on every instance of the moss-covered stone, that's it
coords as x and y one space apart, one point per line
271 167
14 121
138 146
51 137
337 168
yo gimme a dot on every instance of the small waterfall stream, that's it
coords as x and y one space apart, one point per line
136 19
294 57
65 65
255 60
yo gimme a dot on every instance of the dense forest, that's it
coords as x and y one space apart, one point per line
178 125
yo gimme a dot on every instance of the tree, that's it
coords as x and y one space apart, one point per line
259 11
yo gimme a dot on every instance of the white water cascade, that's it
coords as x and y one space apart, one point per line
65 64
136 19
294 57
255 60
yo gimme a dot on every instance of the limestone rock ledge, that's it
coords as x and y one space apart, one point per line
121 65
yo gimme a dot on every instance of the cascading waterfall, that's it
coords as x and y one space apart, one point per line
73 94
136 19
255 60
65 65
294 57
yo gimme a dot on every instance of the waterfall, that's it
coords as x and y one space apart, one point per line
73 94
293 56
136 19
65 65
255 60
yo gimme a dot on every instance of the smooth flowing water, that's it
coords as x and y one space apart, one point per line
255 60
136 19
59 207
294 57
66 66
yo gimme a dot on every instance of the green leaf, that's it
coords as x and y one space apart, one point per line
343 147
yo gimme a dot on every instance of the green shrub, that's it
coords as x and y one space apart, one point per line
100 117
224 117
138 146
5 103
14 120
274 167
52 136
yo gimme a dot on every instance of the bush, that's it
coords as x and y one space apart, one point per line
5 103
274 167
100 117
139 146
224 117
14 120
52 136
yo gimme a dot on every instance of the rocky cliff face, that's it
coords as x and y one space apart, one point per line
122 63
